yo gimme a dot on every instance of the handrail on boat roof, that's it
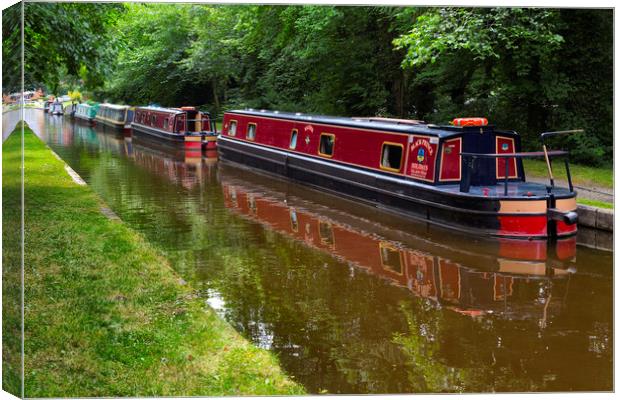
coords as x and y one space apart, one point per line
469 158
201 119
547 158
531 154
547 134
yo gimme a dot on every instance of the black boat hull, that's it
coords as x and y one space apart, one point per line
157 133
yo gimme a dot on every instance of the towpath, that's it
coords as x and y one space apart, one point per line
589 191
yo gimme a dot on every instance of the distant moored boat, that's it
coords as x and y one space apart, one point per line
70 109
86 112
116 116
185 124
56 108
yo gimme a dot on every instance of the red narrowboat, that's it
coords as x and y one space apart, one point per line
185 124
468 175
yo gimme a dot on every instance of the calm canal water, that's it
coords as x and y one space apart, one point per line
350 298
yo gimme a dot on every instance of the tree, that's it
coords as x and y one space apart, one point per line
524 69
212 55
75 96
520 67
154 40
70 36
11 49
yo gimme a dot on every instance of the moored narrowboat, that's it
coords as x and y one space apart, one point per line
70 109
86 112
46 105
184 125
56 108
116 116
468 176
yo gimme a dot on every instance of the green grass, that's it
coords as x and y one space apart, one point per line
580 174
11 269
105 314
16 106
595 203
10 107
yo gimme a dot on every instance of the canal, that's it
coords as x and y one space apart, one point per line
350 298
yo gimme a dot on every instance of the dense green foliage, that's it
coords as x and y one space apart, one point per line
11 49
70 42
525 69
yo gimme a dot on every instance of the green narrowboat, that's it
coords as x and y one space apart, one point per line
86 112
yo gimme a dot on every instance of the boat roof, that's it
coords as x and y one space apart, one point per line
161 109
387 124
115 106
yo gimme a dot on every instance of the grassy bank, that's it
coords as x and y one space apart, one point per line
16 106
11 268
105 314
595 203
581 175
597 178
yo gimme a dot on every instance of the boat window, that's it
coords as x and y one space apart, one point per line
152 119
390 258
326 144
180 123
233 197
166 124
251 135
252 204
391 156
293 143
294 220
326 233
232 130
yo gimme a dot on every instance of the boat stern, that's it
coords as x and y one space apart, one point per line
547 217
193 140
210 141
562 216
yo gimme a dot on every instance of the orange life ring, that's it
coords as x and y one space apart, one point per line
470 121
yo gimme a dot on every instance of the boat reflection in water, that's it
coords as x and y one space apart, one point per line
468 282
182 166
437 312
185 166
